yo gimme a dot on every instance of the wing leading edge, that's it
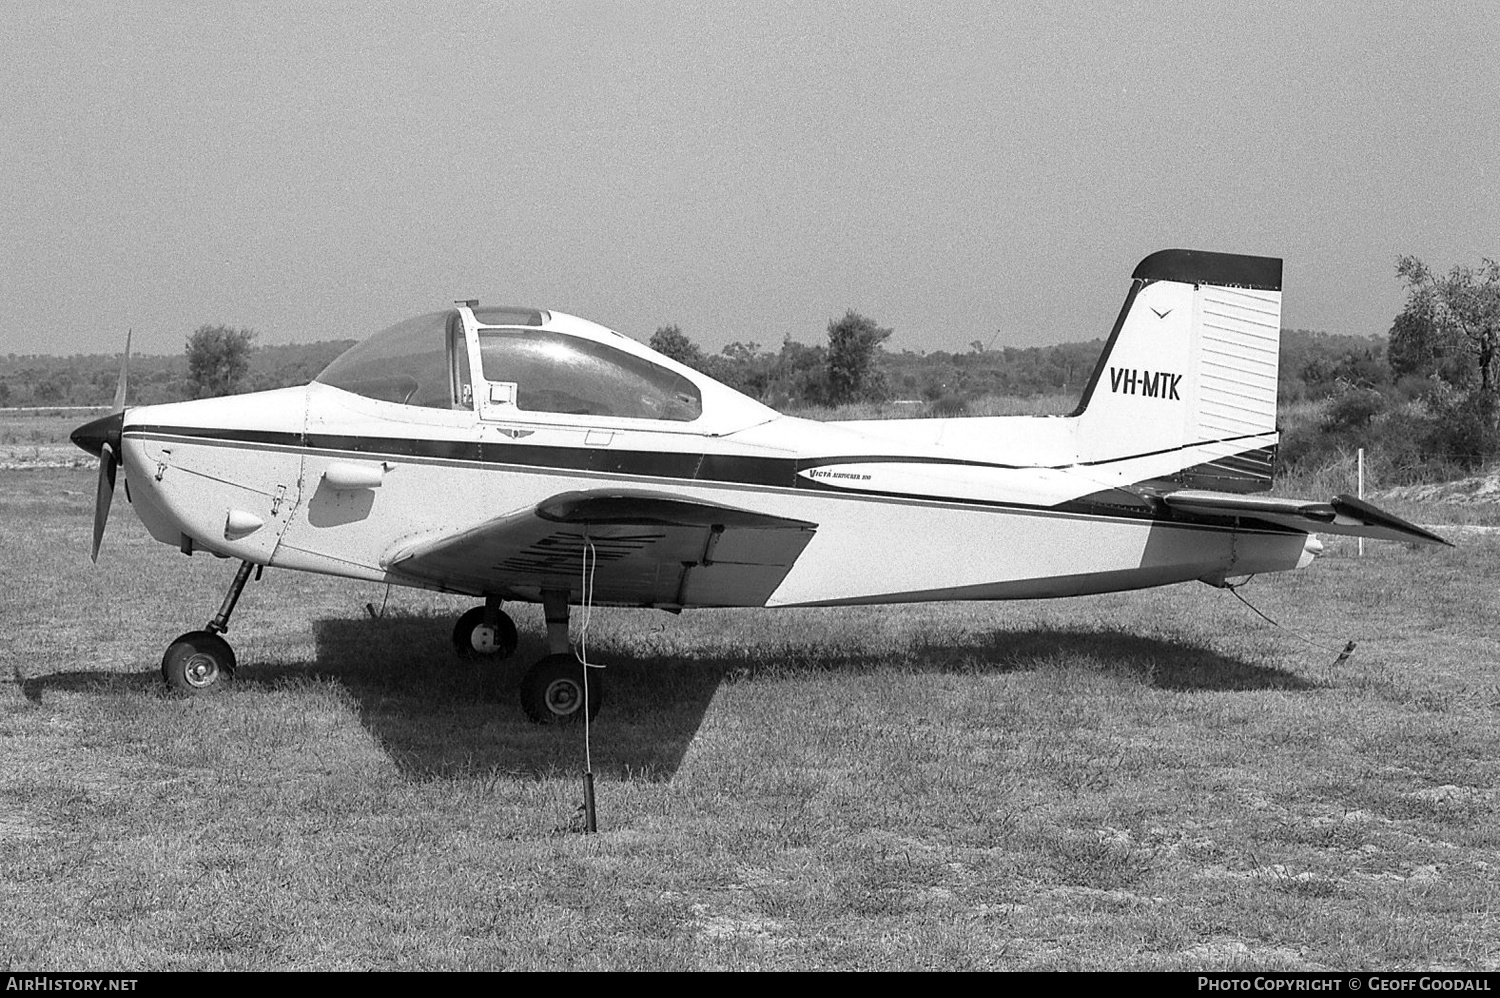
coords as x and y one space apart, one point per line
649 549
1340 515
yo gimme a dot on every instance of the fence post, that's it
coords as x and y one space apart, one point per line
1361 493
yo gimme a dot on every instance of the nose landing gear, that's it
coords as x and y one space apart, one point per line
200 660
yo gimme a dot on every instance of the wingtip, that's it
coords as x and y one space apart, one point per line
1375 515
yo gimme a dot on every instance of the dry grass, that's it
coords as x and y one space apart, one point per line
38 438
1155 780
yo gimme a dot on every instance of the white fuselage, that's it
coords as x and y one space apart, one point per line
320 479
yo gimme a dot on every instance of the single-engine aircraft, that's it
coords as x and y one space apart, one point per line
520 454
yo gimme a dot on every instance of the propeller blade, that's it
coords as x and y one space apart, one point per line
102 436
119 405
104 494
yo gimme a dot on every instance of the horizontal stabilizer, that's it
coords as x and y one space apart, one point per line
1341 515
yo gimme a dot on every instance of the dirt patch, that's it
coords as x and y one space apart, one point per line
1475 491
19 457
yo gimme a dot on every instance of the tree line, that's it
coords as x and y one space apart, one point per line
89 379
1425 396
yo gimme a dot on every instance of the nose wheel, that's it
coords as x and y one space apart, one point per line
201 660
197 661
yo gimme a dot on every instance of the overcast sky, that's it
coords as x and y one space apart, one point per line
958 171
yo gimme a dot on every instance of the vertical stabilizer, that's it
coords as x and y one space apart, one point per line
1191 366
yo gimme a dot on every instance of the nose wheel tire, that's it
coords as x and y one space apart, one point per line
473 638
197 662
552 691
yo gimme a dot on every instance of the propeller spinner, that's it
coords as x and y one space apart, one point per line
101 437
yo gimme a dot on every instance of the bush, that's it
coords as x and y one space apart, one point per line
1441 433
948 406
1464 429
1353 409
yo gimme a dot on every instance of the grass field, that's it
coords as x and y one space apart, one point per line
1157 780
38 438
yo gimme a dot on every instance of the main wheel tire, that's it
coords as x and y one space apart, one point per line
552 691
472 638
197 662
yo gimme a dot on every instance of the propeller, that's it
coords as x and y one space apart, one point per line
101 437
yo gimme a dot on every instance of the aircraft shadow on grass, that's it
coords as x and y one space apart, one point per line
89 681
655 703
439 716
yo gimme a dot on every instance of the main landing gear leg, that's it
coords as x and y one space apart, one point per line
200 660
552 691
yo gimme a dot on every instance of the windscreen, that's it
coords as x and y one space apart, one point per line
407 364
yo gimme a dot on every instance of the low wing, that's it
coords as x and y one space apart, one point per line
1341 515
650 549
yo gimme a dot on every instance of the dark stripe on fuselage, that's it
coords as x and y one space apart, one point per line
735 469
689 466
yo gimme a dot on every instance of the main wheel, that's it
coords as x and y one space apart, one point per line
197 662
552 691
473 638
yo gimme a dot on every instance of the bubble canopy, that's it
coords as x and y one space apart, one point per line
424 361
